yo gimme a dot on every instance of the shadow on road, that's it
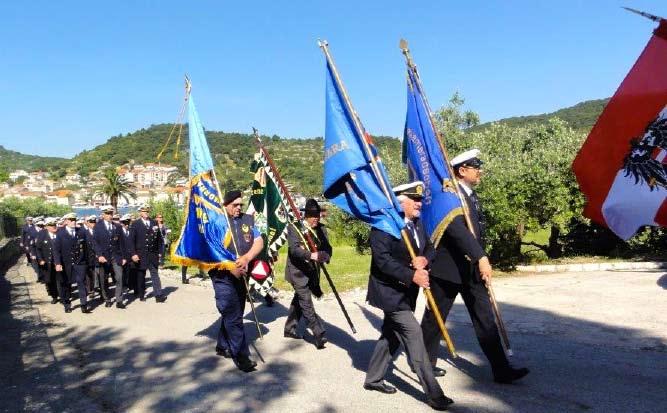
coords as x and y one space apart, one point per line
662 281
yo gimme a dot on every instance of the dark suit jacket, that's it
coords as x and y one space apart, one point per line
70 250
145 242
458 251
25 231
44 248
390 285
109 244
31 239
300 270
91 258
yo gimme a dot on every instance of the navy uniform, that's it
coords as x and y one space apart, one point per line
110 244
456 271
24 242
147 245
304 275
391 289
91 259
69 251
44 254
31 239
129 270
230 291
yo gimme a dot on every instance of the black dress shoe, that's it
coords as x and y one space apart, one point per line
438 372
320 341
108 304
68 309
289 334
510 374
85 309
142 298
160 298
382 387
223 352
245 364
54 301
120 305
441 403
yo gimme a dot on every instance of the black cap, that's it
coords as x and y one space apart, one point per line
230 196
312 209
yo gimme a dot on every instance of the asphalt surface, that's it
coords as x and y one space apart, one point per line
594 342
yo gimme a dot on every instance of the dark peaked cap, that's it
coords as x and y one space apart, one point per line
230 196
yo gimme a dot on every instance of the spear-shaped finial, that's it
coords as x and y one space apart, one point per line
644 14
188 85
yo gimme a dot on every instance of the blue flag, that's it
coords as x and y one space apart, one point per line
349 180
205 238
427 162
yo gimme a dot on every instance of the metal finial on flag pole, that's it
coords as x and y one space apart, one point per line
188 86
644 14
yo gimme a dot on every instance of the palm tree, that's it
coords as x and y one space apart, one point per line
115 187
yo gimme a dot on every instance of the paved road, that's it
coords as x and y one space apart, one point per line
594 342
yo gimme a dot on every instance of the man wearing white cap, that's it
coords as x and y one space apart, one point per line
91 260
44 252
461 266
393 287
146 246
70 258
31 239
110 253
25 241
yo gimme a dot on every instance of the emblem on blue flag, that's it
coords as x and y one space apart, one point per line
426 161
205 237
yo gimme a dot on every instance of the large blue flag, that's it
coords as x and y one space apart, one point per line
205 238
427 162
349 180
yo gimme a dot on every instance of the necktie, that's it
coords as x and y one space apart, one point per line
71 232
146 223
108 227
413 232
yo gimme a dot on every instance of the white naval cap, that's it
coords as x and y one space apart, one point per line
126 217
470 157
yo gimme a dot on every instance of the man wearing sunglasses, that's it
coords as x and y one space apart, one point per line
461 266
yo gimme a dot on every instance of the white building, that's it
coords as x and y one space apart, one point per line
14 175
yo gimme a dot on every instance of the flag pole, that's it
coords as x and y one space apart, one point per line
649 16
297 215
188 88
403 44
324 45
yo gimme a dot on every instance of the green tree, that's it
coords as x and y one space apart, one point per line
115 187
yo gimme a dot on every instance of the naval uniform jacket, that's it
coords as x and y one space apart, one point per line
32 239
70 250
91 258
390 286
300 270
146 242
459 250
25 232
109 244
44 252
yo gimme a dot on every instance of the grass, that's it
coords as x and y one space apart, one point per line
348 270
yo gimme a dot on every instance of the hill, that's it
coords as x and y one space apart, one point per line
11 160
581 116
299 160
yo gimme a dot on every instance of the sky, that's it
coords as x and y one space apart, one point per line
74 73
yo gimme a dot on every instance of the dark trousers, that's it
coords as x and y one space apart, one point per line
402 327
230 300
302 307
77 273
90 279
103 272
155 279
35 266
64 288
48 274
130 274
476 299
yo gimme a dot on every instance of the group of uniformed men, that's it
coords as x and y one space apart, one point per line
88 252
457 265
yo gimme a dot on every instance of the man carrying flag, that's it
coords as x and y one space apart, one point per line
356 181
206 238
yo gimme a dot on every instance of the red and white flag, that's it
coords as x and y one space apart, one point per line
622 166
